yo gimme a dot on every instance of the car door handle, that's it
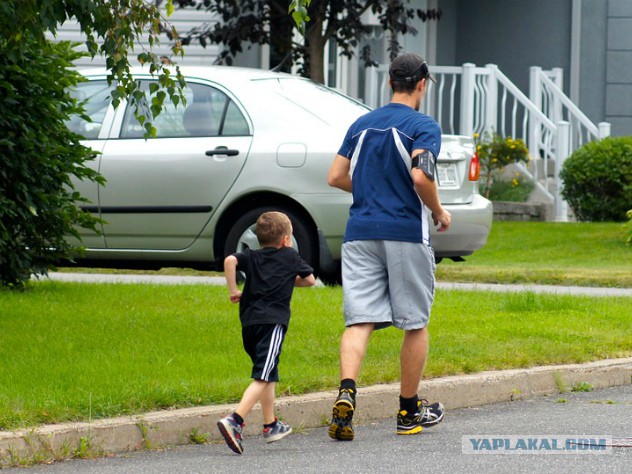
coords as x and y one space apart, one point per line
222 150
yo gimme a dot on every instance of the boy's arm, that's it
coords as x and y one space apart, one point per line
309 280
230 272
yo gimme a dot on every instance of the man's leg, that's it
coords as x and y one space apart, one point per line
415 414
413 359
353 347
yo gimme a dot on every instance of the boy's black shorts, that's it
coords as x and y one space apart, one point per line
263 344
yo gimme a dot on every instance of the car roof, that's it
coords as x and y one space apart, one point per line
225 74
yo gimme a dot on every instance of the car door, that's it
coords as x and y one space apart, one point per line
95 96
161 192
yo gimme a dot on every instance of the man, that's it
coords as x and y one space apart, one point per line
387 161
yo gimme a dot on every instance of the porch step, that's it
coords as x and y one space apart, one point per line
536 166
522 211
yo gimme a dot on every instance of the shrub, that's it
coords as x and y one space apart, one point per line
598 180
517 189
494 153
38 154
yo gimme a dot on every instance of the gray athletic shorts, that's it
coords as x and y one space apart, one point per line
387 282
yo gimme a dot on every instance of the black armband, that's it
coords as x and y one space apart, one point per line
426 162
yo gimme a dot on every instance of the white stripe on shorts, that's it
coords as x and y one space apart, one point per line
273 351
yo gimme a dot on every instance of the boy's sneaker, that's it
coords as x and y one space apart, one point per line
231 430
277 431
341 427
426 416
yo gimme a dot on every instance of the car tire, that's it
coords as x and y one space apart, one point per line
242 234
333 278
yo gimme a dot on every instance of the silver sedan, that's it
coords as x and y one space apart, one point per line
247 141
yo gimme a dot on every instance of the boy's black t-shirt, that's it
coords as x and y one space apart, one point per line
270 278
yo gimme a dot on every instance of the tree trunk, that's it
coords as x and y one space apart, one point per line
315 47
316 53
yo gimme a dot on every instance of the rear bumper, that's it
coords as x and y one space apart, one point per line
471 224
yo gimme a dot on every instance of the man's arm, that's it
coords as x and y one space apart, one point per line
427 190
338 176
230 272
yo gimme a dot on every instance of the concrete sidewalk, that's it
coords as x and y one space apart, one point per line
176 427
199 280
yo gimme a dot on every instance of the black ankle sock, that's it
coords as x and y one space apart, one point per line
238 419
408 404
349 384
270 425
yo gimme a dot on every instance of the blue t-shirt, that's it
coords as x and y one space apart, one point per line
385 203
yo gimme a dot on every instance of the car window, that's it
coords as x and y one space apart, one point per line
95 96
235 123
321 101
208 113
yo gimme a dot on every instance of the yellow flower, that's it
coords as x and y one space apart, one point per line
476 135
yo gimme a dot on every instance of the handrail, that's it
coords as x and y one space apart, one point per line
525 101
469 99
568 103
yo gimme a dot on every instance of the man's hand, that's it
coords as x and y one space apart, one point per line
443 220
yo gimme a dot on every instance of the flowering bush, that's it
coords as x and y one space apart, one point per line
496 152
516 189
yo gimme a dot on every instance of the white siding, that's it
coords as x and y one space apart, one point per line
182 19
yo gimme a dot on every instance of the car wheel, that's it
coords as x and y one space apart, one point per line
334 278
242 234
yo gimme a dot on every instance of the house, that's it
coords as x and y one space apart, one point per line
589 40
557 73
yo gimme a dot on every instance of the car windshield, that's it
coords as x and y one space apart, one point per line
327 104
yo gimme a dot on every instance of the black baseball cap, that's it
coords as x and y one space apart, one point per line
409 67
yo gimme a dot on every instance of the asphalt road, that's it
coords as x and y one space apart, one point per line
602 413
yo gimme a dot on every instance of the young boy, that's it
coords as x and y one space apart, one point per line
264 311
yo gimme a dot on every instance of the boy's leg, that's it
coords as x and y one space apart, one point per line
263 345
267 403
253 393
232 426
273 429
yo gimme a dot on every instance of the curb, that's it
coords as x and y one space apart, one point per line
188 425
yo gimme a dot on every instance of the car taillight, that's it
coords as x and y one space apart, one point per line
475 168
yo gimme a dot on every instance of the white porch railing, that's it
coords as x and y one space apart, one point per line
469 99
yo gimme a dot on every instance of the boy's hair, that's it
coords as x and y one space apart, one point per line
271 227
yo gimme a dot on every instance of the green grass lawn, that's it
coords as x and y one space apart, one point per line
73 351
579 254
